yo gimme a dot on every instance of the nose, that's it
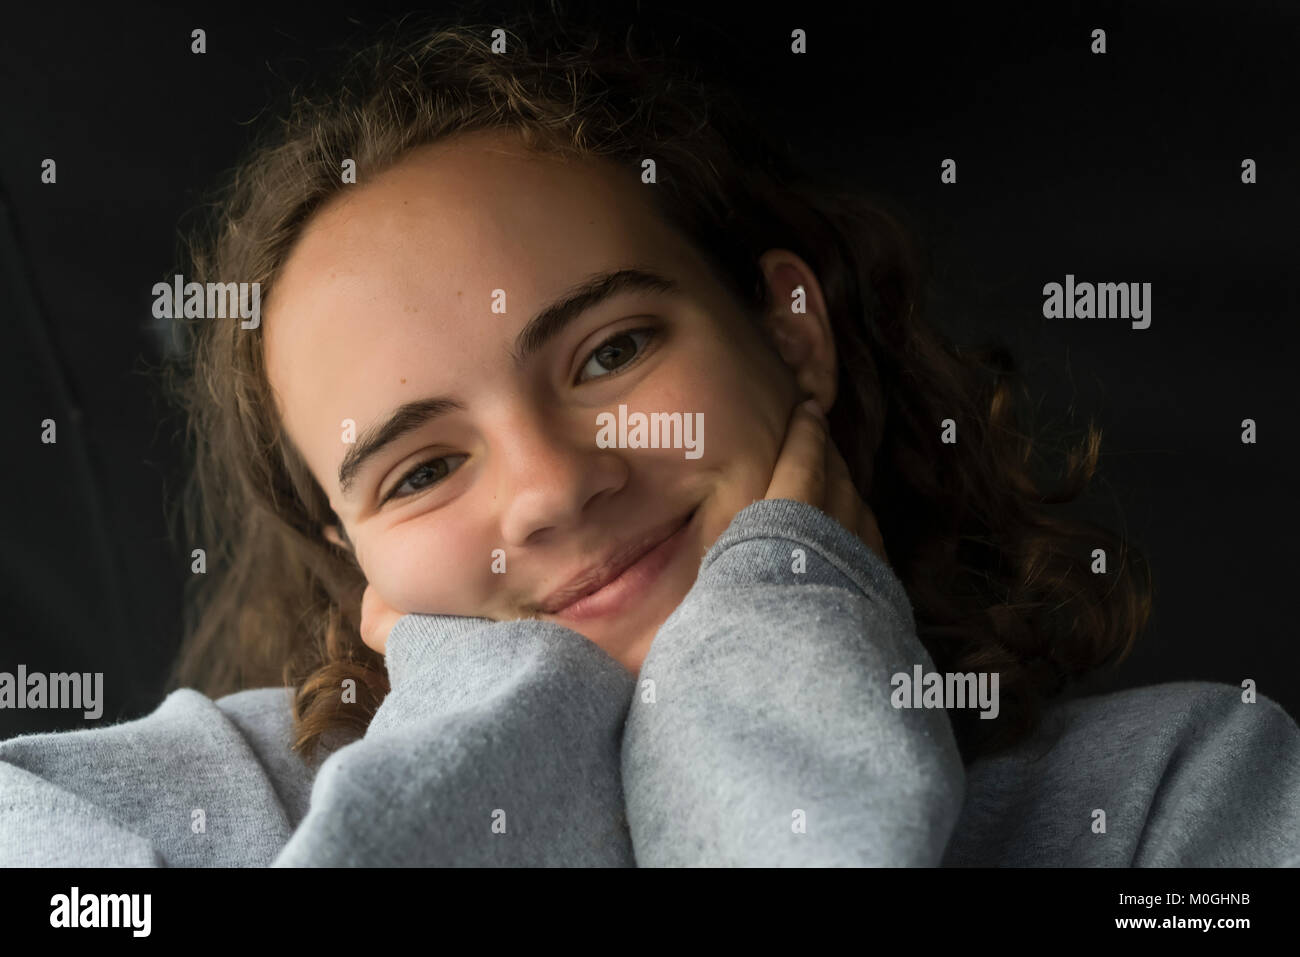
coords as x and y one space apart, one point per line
551 471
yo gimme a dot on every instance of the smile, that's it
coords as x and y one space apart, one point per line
624 591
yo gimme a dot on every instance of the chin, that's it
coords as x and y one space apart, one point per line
627 647
629 653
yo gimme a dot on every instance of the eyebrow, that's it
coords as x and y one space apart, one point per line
541 329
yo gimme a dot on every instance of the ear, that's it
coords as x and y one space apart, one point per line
337 535
799 325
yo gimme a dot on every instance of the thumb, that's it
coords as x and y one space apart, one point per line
800 470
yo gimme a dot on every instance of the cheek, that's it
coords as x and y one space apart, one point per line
744 400
740 445
746 412
419 570
737 390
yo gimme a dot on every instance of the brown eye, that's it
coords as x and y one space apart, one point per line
615 354
422 476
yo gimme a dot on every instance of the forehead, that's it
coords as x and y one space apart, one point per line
396 278
486 208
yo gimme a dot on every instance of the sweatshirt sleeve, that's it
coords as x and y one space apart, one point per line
1187 773
194 783
498 745
762 731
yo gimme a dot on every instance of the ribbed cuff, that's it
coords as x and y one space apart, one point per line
809 526
416 638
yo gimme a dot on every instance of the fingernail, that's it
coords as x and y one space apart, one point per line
812 406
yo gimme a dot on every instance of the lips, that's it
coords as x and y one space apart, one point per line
616 561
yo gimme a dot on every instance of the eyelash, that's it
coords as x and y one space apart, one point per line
653 335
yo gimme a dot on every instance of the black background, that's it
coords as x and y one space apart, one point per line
1122 167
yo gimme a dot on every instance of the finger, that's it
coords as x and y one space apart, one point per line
871 535
843 503
800 470
846 504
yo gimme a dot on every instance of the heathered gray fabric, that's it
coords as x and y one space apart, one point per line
760 731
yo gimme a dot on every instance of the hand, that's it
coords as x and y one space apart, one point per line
810 469
377 620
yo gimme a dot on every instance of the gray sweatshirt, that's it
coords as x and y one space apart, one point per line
769 725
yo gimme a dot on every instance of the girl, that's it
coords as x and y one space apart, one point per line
453 615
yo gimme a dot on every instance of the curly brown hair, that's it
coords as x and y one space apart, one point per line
999 581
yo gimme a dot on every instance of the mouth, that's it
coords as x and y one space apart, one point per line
616 585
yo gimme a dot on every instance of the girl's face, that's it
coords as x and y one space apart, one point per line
412 344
